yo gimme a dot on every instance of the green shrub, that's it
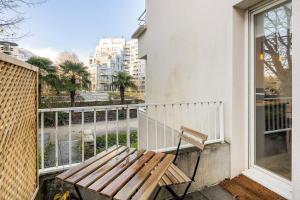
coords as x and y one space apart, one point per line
111 140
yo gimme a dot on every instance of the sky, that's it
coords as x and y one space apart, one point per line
77 25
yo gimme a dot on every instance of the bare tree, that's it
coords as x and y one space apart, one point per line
11 17
278 46
67 56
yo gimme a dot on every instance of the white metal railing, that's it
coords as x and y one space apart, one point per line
142 19
159 124
278 114
69 136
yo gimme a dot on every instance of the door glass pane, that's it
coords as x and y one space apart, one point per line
273 83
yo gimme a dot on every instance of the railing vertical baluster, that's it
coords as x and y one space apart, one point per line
117 126
139 128
56 139
274 115
147 129
172 119
282 114
128 127
278 112
95 129
70 137
215 121
106 129
221 116
209 121
180 115
165 134
42 142
286 117
201 116
195 114
156 131
82 136
187 114
290 121
269 115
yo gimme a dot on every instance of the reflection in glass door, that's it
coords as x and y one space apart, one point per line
273 88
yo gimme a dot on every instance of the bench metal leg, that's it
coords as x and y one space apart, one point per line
78 192
193 177
156 195
173 193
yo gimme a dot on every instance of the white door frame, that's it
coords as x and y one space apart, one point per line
270 180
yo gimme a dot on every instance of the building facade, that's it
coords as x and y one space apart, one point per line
240 52
134 65
106 61
111 56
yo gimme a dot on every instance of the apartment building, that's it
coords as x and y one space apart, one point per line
133 65
240 52
106 61
111 56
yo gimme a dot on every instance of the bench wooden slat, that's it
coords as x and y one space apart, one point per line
192 141
84 164
88 180
194 133
166 180
150 184
92 167
120 181
171 176
162 182
181 173
135 182
175 174
111 175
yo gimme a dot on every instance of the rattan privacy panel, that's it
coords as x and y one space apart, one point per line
18 129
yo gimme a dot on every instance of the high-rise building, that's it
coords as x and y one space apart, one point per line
133 65
107 60
111 56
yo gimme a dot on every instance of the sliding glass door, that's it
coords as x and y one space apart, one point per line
272 85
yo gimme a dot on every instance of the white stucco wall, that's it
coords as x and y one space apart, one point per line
188 53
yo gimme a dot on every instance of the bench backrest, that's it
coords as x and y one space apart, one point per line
193 137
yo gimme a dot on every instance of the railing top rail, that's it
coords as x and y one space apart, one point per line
130 106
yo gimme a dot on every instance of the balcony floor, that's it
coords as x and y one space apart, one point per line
211 193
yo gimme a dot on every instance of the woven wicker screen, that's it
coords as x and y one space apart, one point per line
18 129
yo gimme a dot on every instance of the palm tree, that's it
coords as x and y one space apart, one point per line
122 81
74 77
47 73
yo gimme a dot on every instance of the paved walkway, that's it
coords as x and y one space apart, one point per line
211 193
